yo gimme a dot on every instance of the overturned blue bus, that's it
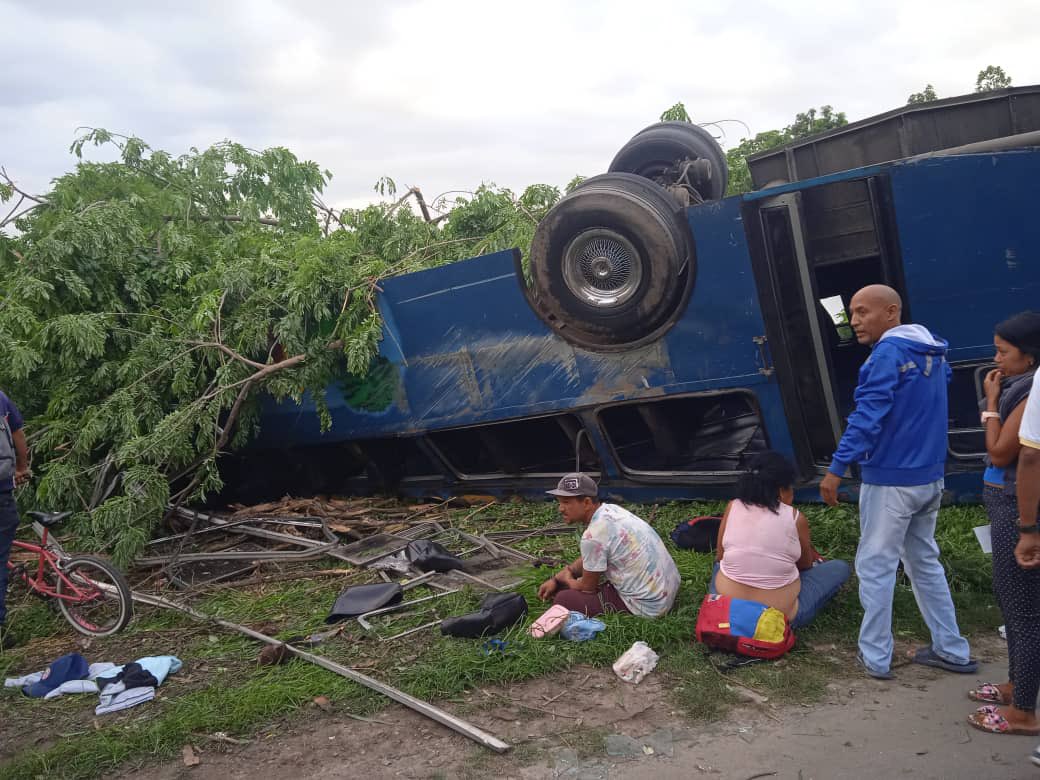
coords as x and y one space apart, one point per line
666 333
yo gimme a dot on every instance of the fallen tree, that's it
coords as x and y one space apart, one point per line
147 303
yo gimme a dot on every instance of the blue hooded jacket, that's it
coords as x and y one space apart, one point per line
897 432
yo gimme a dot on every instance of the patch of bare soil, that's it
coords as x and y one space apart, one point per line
585 723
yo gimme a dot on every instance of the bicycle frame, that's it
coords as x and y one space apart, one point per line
49 557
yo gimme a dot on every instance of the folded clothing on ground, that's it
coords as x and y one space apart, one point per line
93 671
72 666
73 686
134 683
124 699
21 682
147 672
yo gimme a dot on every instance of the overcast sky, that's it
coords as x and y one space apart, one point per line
446 94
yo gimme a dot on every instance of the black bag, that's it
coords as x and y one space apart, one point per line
431 556
8 457
700 534
498 611
359 599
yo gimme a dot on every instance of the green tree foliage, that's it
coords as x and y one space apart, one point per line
676 113
927 95
147 303
813 121
805 124
736 158
992 77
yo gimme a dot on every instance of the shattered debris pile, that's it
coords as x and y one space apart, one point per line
404 546
348 518
207 548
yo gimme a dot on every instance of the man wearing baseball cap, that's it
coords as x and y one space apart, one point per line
623 567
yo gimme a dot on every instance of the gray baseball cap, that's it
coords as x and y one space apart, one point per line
575 485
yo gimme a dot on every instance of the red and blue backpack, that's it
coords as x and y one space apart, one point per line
743 627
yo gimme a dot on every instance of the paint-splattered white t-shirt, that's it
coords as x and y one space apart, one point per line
629 553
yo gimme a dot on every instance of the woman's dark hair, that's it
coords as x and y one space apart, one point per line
768 473
1022 331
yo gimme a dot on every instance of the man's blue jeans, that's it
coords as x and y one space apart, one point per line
896 523
819 584
8 526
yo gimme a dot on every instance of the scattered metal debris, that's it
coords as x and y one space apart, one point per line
367 533
447 719
363 619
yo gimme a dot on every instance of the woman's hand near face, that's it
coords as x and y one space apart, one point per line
991 385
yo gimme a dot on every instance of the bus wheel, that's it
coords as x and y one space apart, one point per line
612 263
670 154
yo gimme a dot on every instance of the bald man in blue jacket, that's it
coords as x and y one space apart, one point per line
897 434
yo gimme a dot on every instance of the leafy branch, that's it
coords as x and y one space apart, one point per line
147 306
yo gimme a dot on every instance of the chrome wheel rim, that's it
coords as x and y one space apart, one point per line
602 268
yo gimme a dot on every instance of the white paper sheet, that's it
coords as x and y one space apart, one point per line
985 540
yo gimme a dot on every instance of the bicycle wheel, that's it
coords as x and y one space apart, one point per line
104 605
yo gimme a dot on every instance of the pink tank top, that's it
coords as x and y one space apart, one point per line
760 549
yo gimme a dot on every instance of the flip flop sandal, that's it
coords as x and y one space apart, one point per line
989 719
873 672
987 693
927 657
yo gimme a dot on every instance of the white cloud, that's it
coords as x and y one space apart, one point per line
445 95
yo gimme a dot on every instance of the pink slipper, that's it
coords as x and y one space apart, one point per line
989 719
987 693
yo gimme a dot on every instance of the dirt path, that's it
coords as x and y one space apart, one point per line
911 727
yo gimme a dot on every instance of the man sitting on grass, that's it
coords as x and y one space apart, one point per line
624 566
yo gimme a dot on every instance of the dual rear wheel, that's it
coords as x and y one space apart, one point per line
613 263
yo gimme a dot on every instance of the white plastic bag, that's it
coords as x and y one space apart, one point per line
635 663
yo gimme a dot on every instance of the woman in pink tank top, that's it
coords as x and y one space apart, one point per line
764 551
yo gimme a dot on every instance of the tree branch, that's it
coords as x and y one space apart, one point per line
224 218
21 200
425 209
330 213
10 183
182 495
228 351
23 196
422 204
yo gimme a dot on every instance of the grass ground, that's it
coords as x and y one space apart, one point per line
223 689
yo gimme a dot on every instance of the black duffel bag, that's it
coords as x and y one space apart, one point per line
431 556
497 612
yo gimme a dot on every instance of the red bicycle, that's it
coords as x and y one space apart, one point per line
90 592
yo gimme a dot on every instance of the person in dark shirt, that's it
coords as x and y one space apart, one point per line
12 448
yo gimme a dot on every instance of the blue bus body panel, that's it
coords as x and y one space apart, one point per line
464 346
468 348
970 239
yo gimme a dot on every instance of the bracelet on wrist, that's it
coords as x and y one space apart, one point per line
1029 529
